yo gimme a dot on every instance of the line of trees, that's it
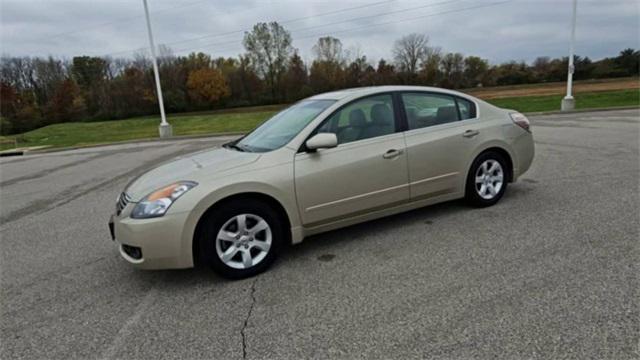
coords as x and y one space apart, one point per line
36 92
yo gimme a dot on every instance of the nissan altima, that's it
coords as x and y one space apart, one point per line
329 161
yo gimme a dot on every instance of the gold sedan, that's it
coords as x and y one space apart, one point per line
326 162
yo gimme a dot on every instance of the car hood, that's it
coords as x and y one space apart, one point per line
188 167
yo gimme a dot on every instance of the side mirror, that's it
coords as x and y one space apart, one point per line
322 141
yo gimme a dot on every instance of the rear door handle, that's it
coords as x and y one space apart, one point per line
390 154
471 133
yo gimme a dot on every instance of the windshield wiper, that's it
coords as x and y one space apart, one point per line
235 146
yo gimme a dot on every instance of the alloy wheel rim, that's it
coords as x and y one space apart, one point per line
489 179
243 241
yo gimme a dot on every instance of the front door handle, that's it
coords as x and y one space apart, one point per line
471 133
390 154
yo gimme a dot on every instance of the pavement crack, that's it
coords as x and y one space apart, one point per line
246 320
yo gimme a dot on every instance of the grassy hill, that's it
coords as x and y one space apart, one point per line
243 120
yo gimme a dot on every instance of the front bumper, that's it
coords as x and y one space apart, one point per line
158 239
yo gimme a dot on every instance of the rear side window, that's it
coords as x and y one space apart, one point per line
467 108
425 109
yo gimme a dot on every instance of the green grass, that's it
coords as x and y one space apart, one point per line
590 100
89 133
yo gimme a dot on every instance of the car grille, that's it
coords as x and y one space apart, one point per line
123 200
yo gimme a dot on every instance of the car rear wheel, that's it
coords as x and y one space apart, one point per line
487 180
241 240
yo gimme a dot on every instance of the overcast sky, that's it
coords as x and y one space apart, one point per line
498 30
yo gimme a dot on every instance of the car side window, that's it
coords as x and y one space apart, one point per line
426 109
362 119
467 109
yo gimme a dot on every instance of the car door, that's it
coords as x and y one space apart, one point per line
440 137
365 172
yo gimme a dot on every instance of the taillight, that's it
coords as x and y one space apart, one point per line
521 121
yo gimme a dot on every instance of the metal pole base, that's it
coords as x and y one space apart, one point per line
165 130
568 104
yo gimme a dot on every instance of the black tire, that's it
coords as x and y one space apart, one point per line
215 219
472 194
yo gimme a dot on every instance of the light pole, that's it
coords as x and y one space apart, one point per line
569 103
165 128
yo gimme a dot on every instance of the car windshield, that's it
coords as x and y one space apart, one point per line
282 127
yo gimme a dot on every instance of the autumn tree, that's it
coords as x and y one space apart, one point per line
327 70
408 53
297 79
28 116
8 103
475 71
37 91
19 110
90 75
173 77
8 100
541 67
131 94
326 76
197 61
385 73
583 68
16 71
24 86
66 104
88 71
33 78
329 49
629 61
452 65
226 65
49 73
251 85
430 73
607 68
512 73
207 86
269 46
356 72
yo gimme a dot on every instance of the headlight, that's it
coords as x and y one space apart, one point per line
158 202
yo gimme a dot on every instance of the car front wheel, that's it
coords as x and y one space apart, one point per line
241 240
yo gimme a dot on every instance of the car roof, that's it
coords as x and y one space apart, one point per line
354 93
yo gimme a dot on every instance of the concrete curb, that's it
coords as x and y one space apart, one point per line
138 141
559 112
11 153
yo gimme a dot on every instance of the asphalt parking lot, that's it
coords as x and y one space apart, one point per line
550 272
